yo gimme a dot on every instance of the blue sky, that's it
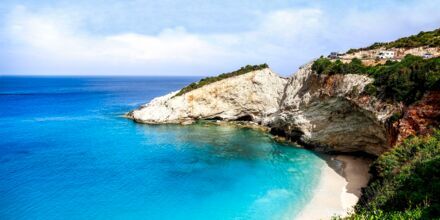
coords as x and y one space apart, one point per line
193 37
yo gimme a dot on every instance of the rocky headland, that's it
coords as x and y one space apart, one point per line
327 112
353 103
329 107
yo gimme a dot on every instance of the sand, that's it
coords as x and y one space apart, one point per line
339 188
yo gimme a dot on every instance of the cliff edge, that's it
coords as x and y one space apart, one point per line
329 112
252 96
366 100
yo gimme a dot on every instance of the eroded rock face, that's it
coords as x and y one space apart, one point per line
251 96
331 112
323 111
420 118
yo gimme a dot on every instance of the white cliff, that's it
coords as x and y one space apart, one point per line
252 96
329 112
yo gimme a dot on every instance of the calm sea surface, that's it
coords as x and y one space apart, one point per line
66 153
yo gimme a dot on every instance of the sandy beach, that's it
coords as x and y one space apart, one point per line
339 188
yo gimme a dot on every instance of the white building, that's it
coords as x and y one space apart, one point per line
385 54
428 55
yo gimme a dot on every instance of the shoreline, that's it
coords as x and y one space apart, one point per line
341 180
339 187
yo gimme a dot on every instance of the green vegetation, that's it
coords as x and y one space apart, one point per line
429 39
395 117
208 80
378 214
326 66
404 81
406 183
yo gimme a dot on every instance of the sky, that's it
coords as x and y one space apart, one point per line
194 37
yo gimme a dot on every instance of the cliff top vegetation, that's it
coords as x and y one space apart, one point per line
405 81
209 80
428 39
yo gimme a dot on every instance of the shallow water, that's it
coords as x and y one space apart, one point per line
65 153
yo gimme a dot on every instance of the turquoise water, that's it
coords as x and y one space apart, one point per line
65 153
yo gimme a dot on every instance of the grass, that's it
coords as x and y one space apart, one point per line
209 80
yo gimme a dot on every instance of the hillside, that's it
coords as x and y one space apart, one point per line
341 105
406 182
422 39
405 81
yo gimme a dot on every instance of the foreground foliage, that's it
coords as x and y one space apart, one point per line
404 81
406 183
428 39
208 80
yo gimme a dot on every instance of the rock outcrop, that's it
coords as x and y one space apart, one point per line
251 96
328 112
332 113
420 118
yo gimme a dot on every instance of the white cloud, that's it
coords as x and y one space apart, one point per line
57 40
54 39
284 38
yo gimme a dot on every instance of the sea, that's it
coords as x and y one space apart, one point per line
66 152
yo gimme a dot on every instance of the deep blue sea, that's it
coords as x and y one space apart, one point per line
66 153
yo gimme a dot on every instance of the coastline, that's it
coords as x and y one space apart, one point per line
339 187
341 180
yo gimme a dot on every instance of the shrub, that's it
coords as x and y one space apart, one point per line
395 117
404 81
428 39
325 66
370 89
321 64
406 183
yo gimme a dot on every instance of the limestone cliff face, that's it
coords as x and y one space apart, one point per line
251 96
329 112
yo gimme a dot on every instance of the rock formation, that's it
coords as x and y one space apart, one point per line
329 112
251 96
420 118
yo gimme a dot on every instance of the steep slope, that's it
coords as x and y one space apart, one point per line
428 39
331 112
332 105
344 106
406 182
420 118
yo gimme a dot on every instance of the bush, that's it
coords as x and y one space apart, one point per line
404 81
321 64
378 214
395 117
428 39
406 183
325 66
